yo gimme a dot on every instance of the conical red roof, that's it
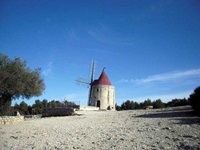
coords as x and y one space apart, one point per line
103 80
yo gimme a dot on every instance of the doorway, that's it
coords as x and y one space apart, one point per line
98 103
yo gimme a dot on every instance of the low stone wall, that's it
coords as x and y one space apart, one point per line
89 108
10 119
59 111
32 117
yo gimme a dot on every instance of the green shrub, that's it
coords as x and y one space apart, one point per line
194 100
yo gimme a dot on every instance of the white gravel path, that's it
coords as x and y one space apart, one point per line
172 129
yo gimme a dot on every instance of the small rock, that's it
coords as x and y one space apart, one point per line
1 132
140 130
167 137
166 128
175 139
109 138
159 123
188 136
14 137
5 145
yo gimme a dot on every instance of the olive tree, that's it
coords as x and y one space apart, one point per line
17 80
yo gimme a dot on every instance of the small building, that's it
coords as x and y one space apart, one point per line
102 93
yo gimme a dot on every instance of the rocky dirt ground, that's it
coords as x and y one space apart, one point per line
171 128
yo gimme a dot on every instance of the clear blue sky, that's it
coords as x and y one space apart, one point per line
150 48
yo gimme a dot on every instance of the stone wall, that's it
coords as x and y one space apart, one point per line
88 108
10 119
59 111
32 117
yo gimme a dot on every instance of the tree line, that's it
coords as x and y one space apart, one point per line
193 100
130 105
39 106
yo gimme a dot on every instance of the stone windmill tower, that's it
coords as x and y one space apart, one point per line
102 92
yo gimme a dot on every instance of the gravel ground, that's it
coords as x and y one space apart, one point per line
172 128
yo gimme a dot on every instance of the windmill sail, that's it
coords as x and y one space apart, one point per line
84 81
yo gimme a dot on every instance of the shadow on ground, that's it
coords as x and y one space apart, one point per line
182 115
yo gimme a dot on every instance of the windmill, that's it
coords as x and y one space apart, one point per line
84 81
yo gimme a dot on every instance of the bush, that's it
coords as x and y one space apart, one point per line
117 107
158 104
194 100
